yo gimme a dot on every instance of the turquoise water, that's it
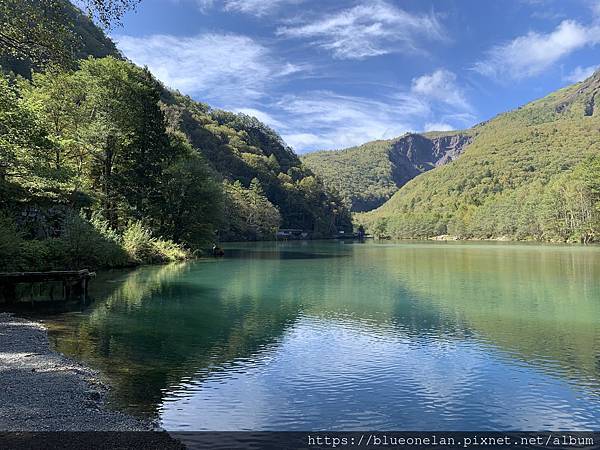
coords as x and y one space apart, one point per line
350 336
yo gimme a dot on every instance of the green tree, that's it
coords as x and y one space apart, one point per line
125 137
248 213
58 98
37 30
25 150
44 31
191 207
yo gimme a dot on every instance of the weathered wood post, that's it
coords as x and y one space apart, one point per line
10 292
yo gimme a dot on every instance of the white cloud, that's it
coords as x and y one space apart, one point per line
531 54
594 6
441 86
328 120
224 68
203 5
257 8
438 126
369 29
580 73
303 141
264 117
325 119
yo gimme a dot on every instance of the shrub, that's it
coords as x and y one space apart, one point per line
91 244
139 244
171 251
143 248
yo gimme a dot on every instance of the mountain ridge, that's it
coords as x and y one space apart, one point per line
529 173
367 175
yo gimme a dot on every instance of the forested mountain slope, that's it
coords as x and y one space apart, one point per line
241 148
532 173
101 165
367 175
64 28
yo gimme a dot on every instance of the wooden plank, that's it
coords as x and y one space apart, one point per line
39 277
73 282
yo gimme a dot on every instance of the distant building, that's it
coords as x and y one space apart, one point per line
292 233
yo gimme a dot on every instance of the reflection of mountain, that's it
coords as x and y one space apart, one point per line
539 303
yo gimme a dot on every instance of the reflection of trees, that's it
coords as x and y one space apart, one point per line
161 325
537 302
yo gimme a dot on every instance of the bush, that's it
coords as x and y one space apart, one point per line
139 244
91 244
85 244
171 251
143 248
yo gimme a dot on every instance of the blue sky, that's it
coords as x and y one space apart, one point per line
330 74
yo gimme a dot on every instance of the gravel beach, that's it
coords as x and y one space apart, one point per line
42 390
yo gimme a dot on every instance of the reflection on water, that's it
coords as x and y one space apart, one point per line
327 335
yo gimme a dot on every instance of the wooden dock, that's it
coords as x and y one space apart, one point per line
74 283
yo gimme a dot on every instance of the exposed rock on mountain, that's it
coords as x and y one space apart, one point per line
367 175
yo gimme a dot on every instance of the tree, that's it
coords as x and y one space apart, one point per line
573 203
248 213
42 31
125 137
58 99
109 12
36 30
192 200
25 149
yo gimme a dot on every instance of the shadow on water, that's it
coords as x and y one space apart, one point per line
238 253
157 326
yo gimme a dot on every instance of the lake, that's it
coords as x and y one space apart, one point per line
351 336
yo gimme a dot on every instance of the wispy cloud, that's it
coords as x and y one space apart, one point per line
369 29
257 8
531 54
328 120
438 126
263 116
580 73
227 69
441 86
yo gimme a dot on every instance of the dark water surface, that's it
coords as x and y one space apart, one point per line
328 335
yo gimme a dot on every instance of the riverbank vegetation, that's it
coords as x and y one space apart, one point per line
103 166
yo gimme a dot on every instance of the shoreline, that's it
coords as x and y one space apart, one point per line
44 390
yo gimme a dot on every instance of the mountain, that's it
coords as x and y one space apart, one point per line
531 173
367 175
264 183
241 148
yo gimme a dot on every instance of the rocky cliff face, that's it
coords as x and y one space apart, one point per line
584 97
414 154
